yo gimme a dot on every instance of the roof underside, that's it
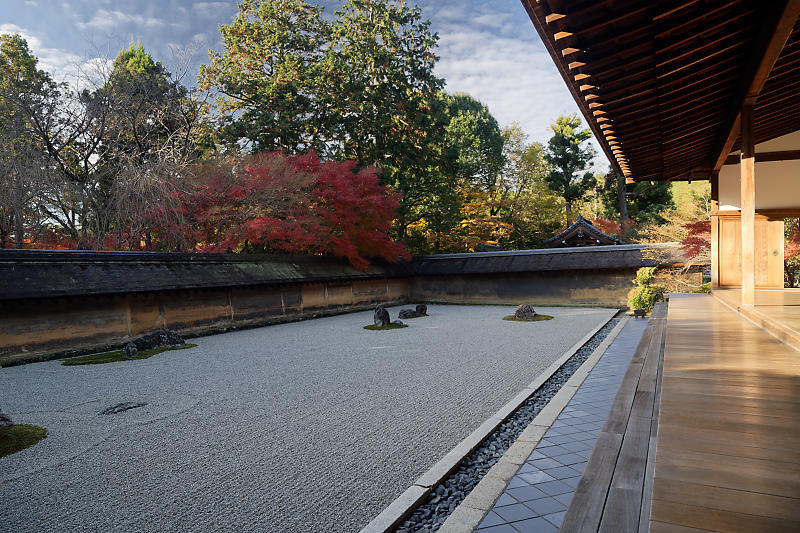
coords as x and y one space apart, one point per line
661 84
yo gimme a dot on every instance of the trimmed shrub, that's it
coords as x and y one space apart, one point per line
644 295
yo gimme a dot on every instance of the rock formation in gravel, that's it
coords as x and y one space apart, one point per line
5 420
525 311
381 316
156 339
420 310
130 350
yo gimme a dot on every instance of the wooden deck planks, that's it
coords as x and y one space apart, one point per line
776 310
647 493
728 434
711 519
624 503
751 503
609 496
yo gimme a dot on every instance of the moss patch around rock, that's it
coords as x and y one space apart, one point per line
373 327
537 318
18 437
111 357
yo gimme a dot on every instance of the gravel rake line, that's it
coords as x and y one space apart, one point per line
445 497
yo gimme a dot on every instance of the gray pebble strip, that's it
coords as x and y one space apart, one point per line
446 496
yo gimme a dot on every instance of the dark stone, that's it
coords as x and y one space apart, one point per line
381 316
130 350
398 323
640 313
420 310
525 311
157 339
5 420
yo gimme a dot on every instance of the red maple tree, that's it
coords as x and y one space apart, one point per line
289 204
609 227
698 239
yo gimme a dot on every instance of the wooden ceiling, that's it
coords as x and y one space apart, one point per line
661 84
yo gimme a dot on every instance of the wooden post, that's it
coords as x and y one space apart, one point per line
714 230
623 206
748 201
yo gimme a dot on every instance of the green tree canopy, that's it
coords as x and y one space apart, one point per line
569 159
271 80
22 87
646 202
523 198
390 114
149 107
360 87
475 139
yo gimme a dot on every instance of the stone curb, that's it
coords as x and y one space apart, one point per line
402 507
468 515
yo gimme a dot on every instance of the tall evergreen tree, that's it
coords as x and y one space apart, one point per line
569 159
475 140
22 86
271 81
359 88
390 114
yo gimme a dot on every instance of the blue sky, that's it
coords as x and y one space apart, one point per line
488 49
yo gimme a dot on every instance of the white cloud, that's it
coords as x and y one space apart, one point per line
109 19
56 61
212 10
514 77
62 65
494 20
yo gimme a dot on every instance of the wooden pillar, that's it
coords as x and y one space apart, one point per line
714 230
748 201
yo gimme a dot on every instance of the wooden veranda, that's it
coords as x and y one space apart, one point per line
700 90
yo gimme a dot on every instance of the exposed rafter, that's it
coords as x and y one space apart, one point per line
660 84
776 28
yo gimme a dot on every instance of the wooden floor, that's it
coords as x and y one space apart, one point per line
614 493
728 446
776 310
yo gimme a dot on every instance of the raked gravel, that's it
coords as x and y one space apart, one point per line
310 426
445 497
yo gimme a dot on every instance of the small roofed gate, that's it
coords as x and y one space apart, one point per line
581 233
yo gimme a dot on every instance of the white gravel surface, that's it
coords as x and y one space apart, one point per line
310 426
